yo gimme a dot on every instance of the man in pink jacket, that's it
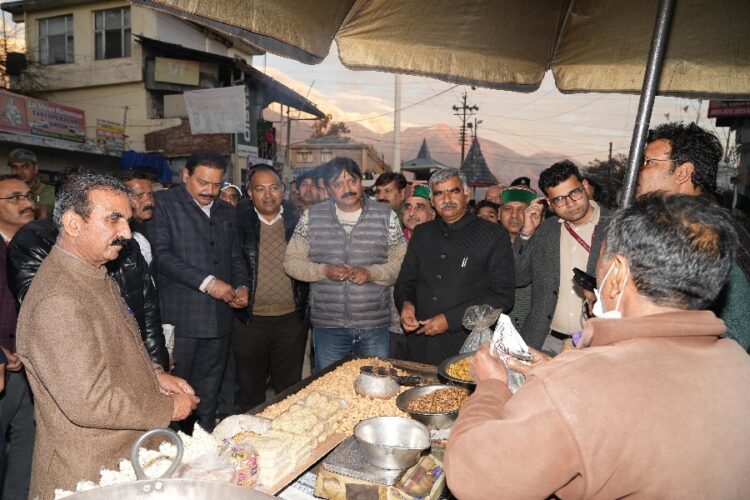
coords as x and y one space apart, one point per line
654 403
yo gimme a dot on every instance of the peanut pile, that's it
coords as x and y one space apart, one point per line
441 401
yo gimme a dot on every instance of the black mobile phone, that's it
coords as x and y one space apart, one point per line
585 280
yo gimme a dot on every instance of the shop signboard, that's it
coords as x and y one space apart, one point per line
110 136
26 115
728 109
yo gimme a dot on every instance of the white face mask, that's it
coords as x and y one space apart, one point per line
598 309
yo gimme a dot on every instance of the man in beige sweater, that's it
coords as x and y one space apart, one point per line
654 403
95 388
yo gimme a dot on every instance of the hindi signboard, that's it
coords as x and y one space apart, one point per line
110 136
26 115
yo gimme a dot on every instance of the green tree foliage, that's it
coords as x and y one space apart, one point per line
609 177
325 128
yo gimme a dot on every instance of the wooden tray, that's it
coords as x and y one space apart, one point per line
316 454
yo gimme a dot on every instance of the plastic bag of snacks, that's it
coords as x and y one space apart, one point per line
507 342
479 319
243 455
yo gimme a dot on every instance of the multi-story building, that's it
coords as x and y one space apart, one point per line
313 152
130 65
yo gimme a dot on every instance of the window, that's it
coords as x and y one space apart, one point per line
112 33
56 40
325 156
304 157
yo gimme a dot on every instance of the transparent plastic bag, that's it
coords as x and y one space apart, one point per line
210 467
479 319
243 455
507 342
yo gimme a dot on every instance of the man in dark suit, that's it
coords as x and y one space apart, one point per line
546 255
201 276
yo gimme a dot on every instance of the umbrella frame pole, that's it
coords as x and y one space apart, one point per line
648 93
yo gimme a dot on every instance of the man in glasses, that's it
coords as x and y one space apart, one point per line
17 204
684 159
547 252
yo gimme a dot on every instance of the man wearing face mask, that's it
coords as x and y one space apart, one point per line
652 404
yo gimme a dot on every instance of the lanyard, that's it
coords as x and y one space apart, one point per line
577 237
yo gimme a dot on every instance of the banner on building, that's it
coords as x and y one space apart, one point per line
177 71
110 136
728 109
25 115
216 111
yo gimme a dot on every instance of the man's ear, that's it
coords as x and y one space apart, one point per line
72 223
684 173
617 276
185 175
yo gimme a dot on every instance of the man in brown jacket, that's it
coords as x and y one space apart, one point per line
95 389
654 403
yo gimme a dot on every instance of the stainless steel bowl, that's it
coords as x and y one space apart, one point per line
392 442
431 420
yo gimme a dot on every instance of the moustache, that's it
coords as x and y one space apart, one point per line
348 195
27 210
207 196
382 201
120 241
448 204
149 208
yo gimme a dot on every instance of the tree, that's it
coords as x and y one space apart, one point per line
338 129
320 126
324 128
609 176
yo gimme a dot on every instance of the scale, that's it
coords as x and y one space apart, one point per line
347 459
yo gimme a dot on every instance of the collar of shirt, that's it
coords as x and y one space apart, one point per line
272 221
461 223
594 219
5 238
206 209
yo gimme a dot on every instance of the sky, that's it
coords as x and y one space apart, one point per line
579 126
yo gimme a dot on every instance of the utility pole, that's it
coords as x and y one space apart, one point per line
397 125
608 180
462 112
288 154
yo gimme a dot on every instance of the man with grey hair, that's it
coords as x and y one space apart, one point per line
451 263
95 389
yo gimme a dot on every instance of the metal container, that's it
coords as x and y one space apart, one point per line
376 382
443 372
431 420
171 489
164 488
392 442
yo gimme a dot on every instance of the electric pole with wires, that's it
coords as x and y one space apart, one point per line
463 112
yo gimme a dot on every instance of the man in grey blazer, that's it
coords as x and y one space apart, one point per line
201 276
546 253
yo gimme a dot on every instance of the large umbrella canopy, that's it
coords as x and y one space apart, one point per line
590 45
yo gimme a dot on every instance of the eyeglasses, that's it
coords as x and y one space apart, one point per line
648 162
18 198
575 195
